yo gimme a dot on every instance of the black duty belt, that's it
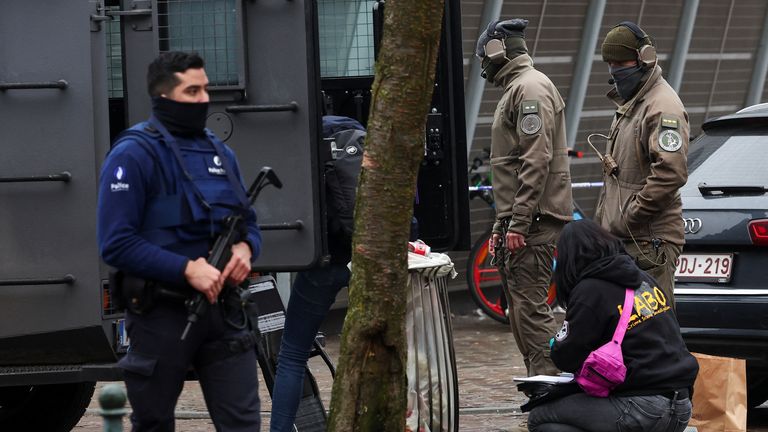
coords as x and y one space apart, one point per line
173 294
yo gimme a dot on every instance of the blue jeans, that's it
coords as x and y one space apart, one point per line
581 412
312 295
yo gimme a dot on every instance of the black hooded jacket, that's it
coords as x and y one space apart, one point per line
656 358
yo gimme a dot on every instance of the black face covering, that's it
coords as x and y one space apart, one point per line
181 118
490 69
627 80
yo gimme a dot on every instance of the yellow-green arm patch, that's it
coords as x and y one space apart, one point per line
669 122
530 107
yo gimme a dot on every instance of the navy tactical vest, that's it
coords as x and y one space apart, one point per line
198 184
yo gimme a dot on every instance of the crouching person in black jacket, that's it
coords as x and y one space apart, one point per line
593 271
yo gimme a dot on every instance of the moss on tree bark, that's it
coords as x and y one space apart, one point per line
369 393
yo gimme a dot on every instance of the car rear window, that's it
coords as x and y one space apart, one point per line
729 160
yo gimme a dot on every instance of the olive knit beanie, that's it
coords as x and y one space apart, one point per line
620 45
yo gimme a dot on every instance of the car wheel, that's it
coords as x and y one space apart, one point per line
63 405
757 390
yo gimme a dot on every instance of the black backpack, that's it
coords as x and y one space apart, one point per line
345 136
341 176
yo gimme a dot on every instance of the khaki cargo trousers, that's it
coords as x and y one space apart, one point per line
527 275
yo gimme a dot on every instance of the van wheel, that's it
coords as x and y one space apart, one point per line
52 407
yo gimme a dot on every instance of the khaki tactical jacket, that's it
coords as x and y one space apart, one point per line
529 159
649 141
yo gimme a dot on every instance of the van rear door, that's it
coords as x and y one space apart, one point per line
263 71
53 135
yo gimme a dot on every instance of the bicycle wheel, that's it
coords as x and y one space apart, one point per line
484 281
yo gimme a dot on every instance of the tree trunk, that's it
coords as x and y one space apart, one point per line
369 393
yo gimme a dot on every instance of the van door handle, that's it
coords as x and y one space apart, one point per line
128 13
297 225
291 106
68 279
60 84
64 176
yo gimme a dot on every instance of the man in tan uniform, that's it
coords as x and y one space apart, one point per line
531 185
640 201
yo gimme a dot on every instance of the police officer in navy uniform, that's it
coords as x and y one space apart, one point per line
165 187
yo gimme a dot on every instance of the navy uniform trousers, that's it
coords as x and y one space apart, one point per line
157 363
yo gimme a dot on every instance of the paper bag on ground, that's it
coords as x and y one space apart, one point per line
720 394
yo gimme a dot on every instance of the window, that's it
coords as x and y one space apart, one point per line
212 28
730 161
346 38
114 56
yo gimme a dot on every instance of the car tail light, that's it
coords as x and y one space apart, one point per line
758 231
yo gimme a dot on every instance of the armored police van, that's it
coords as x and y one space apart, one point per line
72 76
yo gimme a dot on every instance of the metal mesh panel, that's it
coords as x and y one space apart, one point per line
346 37
114 57
209 27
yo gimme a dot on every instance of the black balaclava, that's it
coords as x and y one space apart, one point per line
621 45
181 118
490 69
627 80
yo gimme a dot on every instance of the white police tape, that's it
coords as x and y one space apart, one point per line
579 185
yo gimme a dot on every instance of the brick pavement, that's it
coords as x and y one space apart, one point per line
487 359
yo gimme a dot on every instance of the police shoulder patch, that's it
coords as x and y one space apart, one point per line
530 121
670 140
530 124
669 137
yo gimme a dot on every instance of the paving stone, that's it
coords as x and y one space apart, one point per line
486 358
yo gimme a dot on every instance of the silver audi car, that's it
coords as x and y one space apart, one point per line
721 286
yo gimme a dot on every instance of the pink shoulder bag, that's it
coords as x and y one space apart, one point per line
604 368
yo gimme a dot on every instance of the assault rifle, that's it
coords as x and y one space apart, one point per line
221 252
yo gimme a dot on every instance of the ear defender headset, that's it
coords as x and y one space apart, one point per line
496 50
495 54
646 52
